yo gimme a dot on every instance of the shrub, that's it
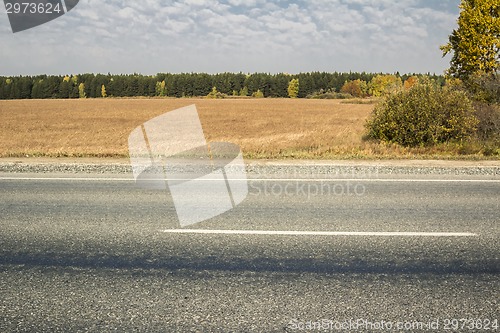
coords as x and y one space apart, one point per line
258 94
484 88
215 94
489 121
423 115
329 94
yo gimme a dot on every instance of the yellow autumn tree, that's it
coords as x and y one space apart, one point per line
410 82
356 88
382 85
161 89
475 44
81 90
293 88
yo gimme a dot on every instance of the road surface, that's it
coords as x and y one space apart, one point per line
390 254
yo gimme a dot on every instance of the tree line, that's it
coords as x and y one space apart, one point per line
280 85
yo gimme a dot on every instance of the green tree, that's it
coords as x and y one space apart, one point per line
81 91
279 85
36 90
64 89
25 86
475 44
52 84
293 88
7 87
244 91
307 84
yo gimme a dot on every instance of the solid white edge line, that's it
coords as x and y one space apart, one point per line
381 180
268 179
318 233
68 179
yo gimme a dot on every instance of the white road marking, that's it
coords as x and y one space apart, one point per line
291 233
76 179
381 180
318 233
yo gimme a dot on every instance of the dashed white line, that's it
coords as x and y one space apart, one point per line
318 233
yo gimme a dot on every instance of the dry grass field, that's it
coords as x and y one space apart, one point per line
264 128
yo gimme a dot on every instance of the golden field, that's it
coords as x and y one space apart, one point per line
264 128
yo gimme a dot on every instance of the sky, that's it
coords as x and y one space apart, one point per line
290 36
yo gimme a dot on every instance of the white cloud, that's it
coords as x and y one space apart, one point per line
249 35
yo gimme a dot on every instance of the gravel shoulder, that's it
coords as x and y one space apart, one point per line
272 168
389 162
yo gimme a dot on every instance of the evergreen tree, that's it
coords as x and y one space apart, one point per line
64 89
279 85
35 91
25 85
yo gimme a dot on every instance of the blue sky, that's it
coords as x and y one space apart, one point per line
151 36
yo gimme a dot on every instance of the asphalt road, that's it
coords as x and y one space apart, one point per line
92 255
